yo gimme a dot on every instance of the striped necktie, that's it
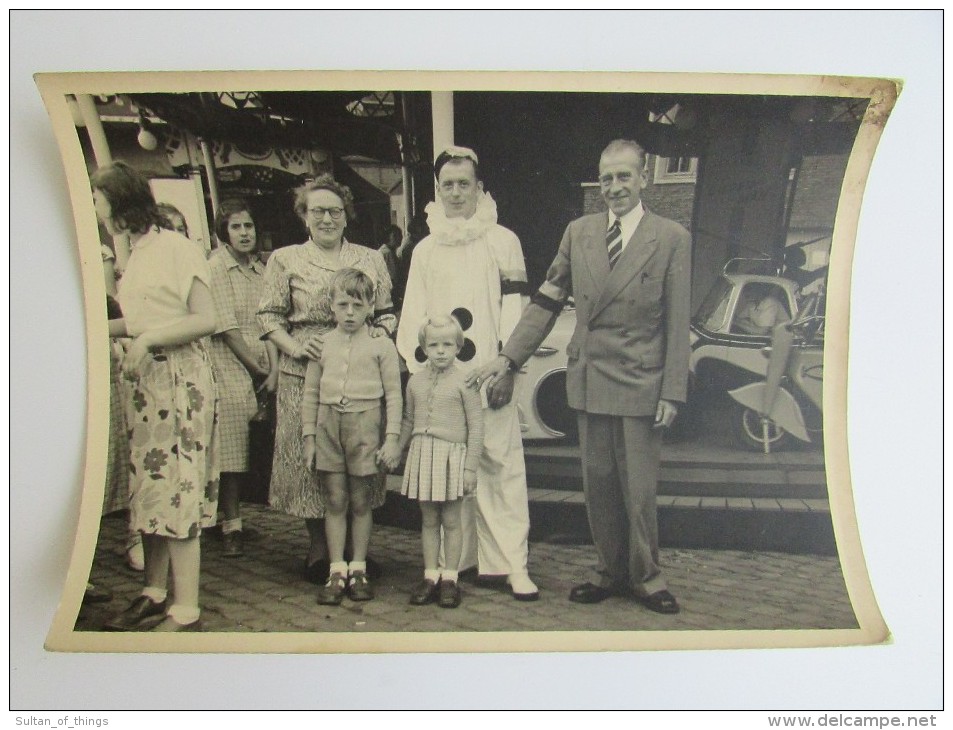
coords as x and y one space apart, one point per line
614 242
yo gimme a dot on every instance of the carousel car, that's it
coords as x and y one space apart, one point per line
731 349
541 399
729 333
734 323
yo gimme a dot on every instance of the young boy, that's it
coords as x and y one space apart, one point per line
342 426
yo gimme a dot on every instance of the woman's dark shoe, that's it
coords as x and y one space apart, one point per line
232 545
590 593
317 572
660 602
425 592
373 569
142 614
449 594
95 594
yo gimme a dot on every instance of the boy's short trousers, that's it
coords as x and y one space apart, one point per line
347 443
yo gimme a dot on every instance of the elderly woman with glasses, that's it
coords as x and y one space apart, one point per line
295 314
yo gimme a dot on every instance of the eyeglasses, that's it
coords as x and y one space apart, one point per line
318 213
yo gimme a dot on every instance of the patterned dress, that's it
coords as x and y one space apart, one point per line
173 484
236 290
296 299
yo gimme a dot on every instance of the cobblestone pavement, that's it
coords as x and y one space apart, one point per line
266 592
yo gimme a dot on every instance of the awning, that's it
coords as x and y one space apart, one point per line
289 119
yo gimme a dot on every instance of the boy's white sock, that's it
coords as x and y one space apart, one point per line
449 575
355 565
432 574
340 568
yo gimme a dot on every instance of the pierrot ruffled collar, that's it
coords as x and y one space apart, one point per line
458 231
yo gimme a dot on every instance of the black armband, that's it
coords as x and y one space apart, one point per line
514 287
547 303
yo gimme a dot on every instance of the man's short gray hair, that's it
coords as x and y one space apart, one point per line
620 145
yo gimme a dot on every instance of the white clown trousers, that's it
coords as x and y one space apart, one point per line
496 522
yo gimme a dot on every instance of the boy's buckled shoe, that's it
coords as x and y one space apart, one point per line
449 594
425 592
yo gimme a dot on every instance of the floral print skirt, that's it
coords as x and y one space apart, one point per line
171 417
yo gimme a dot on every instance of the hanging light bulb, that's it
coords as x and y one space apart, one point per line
147 140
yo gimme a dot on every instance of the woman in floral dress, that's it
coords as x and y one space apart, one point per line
167 308
295 314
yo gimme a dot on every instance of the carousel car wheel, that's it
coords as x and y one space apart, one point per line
551 408
747 430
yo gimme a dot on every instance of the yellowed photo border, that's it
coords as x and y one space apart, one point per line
882 94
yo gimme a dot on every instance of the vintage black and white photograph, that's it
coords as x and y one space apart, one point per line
382 364
880 401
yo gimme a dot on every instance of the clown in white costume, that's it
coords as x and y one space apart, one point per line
473 268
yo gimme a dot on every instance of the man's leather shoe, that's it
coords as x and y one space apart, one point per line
142 614
660 602
522 587
589 593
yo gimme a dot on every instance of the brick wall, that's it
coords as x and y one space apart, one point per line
818 191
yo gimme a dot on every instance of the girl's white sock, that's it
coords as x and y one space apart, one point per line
157 595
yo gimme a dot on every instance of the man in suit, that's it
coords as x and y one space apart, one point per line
627 370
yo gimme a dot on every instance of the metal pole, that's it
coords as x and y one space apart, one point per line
406 174
210 174
442 116
210 242
94 126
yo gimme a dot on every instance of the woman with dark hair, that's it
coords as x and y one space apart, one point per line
167 309
242 360
295 313
175 218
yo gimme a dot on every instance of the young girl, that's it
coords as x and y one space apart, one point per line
443 420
